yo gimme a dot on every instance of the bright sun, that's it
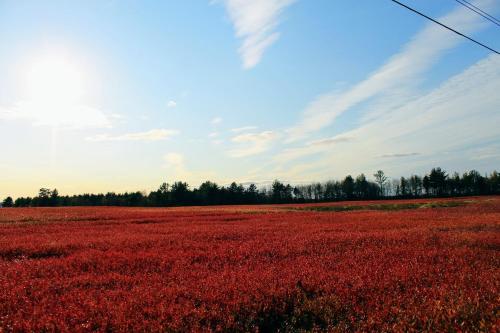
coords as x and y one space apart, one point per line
54 81
54 87
54 91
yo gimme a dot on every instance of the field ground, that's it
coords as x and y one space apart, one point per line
416 265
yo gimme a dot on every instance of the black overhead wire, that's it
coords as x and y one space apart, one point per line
445 26
478 11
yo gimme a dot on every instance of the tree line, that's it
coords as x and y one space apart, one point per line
437 183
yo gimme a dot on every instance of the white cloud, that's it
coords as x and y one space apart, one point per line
486 156
152 135
175 163
290 154
331 141
243 129
171 104
255 22
213 135
174 160
216 121
253 143
217 142
312 148
69 117
487 152
402 70
398 155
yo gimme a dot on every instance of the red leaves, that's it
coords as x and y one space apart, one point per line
250 268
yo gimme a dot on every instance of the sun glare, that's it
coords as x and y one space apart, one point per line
54 80
53 86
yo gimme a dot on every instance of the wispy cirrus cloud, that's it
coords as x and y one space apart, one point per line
312 148
255 22
399 119
443 123
253 143
151 135
402 70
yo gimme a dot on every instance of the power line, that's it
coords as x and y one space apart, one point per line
445 26
482 11
478 11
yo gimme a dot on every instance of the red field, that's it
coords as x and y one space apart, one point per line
397 266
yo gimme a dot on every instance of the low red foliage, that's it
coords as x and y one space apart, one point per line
250 268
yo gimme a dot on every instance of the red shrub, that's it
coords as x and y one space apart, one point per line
250 268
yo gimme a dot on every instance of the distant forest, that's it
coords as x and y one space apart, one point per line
435 184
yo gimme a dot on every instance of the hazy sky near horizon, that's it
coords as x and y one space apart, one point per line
100 96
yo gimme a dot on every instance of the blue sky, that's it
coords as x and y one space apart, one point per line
123 95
